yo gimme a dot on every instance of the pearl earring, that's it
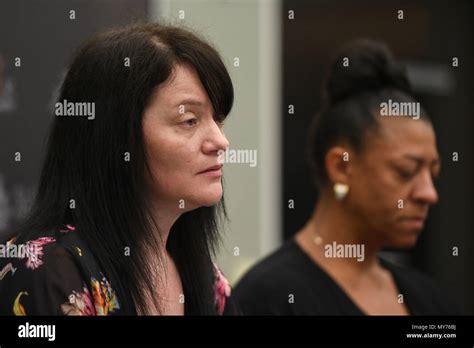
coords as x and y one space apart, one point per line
340 191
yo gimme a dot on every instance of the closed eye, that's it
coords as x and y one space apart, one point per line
406 175
190 122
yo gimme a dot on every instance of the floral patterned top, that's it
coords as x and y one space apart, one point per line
56 275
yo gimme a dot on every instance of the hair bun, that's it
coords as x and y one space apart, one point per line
369 67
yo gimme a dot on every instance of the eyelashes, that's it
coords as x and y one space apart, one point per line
193 121
408 175
189 122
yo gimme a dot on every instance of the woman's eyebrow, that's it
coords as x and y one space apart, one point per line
420 160
190 101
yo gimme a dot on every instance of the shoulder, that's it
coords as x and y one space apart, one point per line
47 275
265 288
424 295
273 269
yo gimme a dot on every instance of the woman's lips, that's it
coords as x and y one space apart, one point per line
214 171
414 222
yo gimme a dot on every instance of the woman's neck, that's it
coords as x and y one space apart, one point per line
168 287
334 237
164 216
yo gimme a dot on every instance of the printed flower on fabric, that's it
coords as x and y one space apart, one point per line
102 301
68 228
105 299
34 251
18 308
80 303
221 289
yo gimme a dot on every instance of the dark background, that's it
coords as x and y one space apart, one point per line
431 33
41 33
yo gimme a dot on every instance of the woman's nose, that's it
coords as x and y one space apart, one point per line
215 140
425 190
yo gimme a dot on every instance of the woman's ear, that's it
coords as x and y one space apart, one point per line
338 165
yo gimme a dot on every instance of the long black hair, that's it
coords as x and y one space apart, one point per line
86 161
362 74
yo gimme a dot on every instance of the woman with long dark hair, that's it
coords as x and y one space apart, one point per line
375 159
130 198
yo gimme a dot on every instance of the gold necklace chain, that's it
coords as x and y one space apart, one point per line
317 239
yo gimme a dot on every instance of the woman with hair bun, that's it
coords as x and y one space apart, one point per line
373 150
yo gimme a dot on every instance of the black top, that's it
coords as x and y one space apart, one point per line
57 274
289 282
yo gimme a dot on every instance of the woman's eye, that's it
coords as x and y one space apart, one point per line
406 174
191 122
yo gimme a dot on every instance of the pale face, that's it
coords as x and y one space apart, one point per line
392 180
183 140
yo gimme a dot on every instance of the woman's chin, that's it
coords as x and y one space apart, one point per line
210 202
407 242
210 197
